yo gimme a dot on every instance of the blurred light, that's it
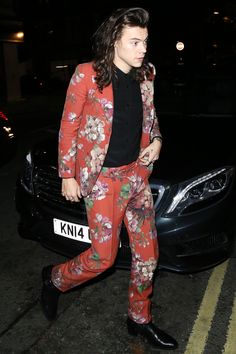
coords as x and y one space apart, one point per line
179 45
227 19
9 132
2 115
215 45
61 66
7 129
216 13
20 35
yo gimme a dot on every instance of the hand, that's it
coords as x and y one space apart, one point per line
151 153
71 190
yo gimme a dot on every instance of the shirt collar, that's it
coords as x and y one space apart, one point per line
120 75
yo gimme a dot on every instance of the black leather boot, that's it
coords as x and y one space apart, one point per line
154 335
49 295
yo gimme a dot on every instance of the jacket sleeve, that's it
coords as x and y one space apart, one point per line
70 122
155 130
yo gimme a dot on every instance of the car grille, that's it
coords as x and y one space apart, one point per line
47 186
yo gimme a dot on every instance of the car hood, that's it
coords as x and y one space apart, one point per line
192 145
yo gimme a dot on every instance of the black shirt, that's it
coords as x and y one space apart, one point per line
126 133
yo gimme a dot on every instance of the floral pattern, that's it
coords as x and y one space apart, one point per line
69 156
141 282
86 126
93 130
84 137
105 213
143 273
77 77
98 193
103 228
96 158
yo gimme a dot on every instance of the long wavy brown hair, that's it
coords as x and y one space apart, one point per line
105 37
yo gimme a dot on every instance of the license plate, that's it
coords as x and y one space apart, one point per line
70 230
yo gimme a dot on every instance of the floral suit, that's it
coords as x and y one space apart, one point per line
111 194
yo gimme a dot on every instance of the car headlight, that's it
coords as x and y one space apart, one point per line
199 189
26 176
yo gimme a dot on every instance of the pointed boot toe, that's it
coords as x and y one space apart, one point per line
155 336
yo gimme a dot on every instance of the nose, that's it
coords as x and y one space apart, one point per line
143 48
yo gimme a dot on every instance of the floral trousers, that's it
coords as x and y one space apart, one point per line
120 194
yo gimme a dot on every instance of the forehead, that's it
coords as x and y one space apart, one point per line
134 32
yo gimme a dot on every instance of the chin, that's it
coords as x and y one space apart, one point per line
137 65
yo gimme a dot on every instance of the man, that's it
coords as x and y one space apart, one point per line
108 141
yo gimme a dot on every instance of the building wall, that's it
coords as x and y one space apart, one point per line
10 68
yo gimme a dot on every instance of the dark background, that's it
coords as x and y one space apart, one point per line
59 33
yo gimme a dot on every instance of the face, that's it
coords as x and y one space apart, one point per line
130 49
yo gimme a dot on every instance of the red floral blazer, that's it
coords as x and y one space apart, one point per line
86 126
